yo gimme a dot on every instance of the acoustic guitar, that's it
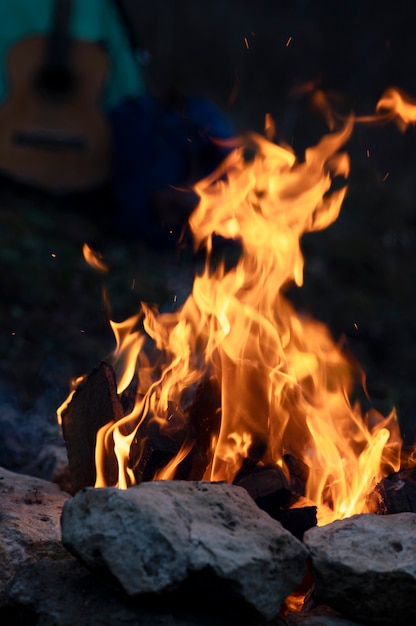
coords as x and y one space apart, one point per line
53 133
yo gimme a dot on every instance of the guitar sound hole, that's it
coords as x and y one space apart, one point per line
55 83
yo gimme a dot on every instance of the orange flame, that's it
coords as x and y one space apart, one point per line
284 383
94 259
396 105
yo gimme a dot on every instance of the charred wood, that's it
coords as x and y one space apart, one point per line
204 422
298 472
191 430
94 404
151 449
395 494
298 518
268 486
271 489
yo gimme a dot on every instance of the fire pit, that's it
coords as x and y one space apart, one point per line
237 388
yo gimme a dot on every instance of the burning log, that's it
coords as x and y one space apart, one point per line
298 472
152 449
271 490
298 517
204 422
395 494
94 404
268 486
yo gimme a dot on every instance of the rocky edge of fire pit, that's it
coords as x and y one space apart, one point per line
200 539
42 583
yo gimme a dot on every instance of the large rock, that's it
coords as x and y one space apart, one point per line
162 536
365 567
30 512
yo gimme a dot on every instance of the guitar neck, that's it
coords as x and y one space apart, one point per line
55 78
59 39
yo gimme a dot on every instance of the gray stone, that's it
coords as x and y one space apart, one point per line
162 536
51 464
365 567
30 511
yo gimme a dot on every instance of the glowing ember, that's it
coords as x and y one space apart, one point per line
284 383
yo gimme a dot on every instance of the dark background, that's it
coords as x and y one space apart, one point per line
249 58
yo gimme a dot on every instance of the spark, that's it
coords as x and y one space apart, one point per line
355 325
385 177
133 284
368 153
289 41
246 43
53 255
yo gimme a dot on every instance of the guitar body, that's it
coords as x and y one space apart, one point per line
53 134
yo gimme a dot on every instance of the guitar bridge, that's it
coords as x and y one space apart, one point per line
54 141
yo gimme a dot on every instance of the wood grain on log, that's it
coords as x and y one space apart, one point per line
94 404
395 493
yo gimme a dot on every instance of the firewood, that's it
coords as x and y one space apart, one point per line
268 486
153 449
94 404
271 490
395 494
298 472
204 422
300 515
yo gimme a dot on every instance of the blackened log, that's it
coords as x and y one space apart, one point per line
94 404
255 455
204 418
268 486
153 448
298 472
298 518
395 494
271 490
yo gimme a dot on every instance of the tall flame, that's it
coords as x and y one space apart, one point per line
284 383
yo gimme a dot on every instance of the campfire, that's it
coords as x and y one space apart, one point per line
208 425
236 385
